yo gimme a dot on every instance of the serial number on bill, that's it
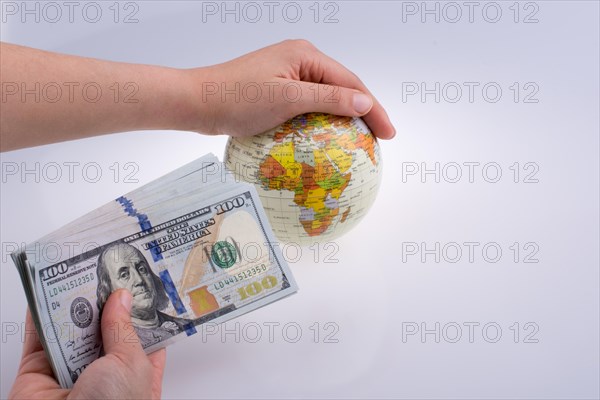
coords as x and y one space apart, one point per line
240 276
72 284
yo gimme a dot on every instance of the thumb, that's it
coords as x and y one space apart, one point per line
330 99
118 335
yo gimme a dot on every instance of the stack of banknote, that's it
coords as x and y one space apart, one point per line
193 247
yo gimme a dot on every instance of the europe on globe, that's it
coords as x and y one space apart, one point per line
317 174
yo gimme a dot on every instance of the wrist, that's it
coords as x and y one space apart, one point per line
167 100
190 108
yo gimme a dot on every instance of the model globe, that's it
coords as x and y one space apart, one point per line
317 175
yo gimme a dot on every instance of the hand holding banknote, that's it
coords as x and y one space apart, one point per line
193 247
124 372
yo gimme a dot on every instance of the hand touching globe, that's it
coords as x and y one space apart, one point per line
317 174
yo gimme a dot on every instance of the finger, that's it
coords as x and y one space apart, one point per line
31 343
321 68
34 358
118 335
158 360
315 97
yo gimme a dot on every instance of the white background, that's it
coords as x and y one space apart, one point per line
371 289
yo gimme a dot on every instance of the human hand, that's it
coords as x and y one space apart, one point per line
265 88
124 372
293 78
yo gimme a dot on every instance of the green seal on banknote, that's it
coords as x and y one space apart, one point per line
223 254
81 312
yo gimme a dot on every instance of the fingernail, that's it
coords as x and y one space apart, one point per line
125 299
361 103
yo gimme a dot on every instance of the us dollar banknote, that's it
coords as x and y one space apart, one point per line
208 256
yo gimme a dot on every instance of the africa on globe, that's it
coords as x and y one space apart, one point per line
317 174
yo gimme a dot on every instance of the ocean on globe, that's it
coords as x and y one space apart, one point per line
317 175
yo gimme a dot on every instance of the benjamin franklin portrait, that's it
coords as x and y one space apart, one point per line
123 266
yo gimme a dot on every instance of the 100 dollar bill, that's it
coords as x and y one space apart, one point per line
205 263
